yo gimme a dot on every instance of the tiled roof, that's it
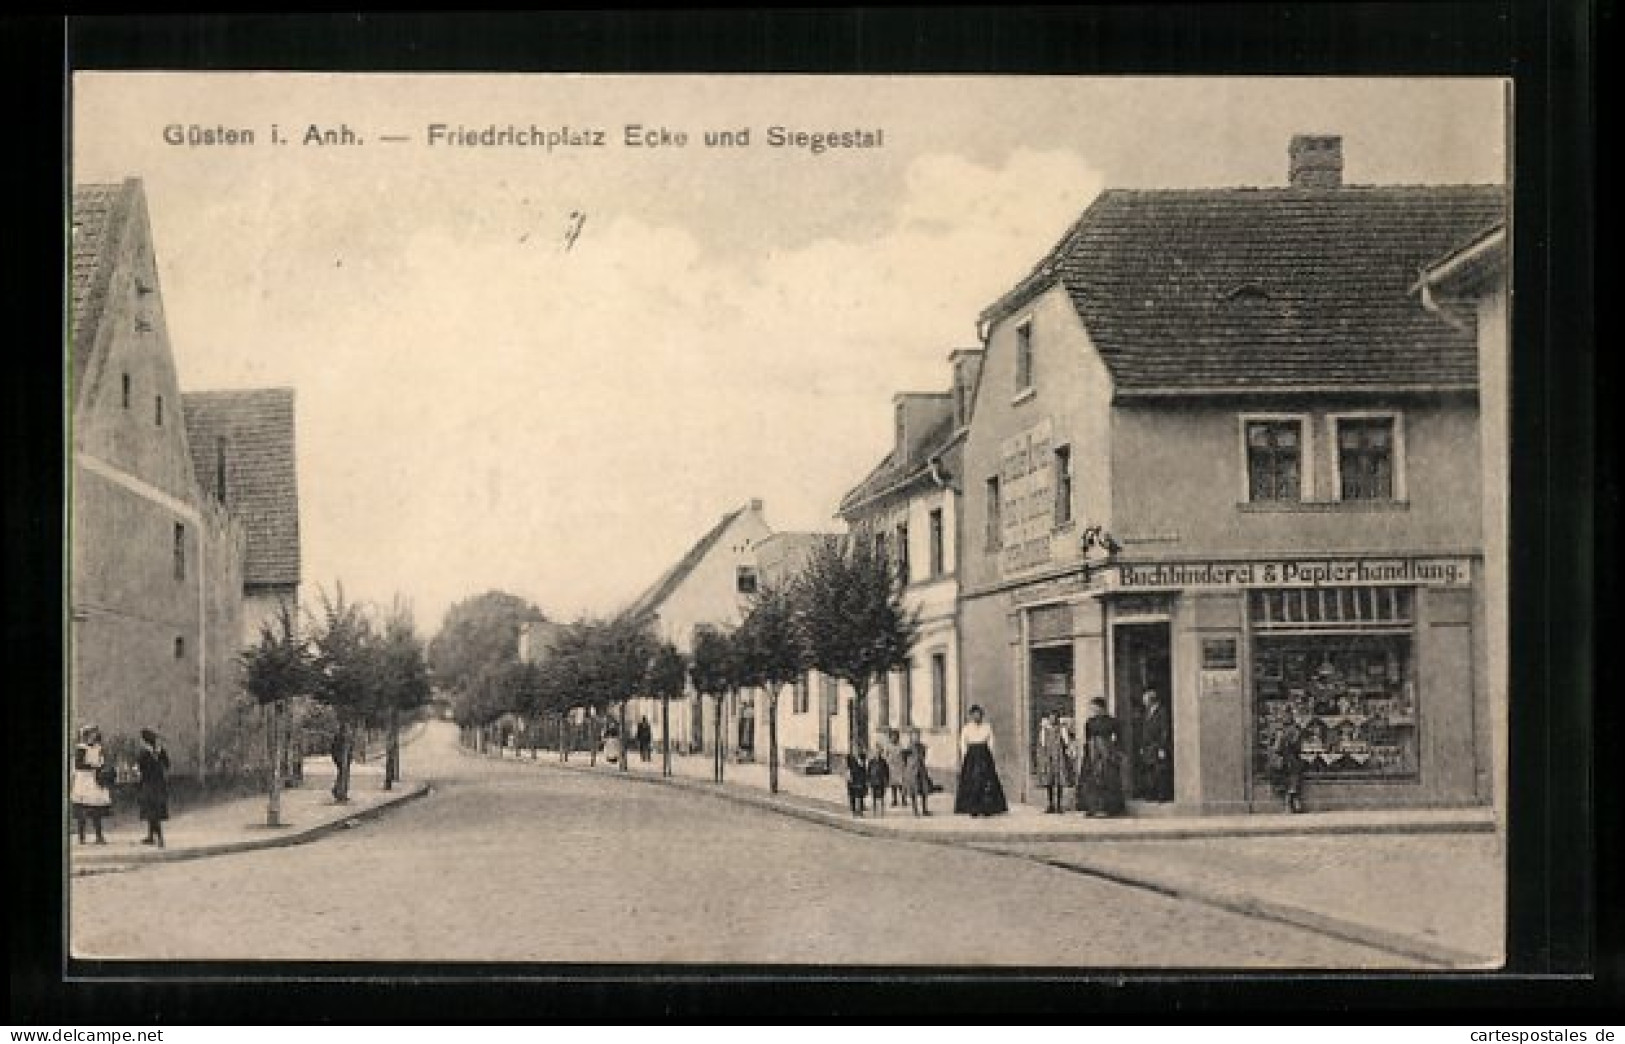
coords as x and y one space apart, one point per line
649 601
98 212
261 482
1186 290
780 555
894 472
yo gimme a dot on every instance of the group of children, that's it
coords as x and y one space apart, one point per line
892 767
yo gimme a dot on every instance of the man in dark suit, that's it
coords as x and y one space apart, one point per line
1156 753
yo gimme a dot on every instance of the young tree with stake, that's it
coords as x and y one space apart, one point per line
851 620
770 657
274 671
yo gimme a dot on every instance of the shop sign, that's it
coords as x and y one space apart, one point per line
1297 572
1026 499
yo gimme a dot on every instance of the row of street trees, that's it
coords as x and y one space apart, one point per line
842 614
368 669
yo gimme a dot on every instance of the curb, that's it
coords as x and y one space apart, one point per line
1241 903
134 860
834 816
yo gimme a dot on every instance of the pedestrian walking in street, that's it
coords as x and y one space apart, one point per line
1156 759
894 751
92 790
879 774
916 780
646 739
1286 765
1055 762
980 793
612 742
1100 764
857 780
152 797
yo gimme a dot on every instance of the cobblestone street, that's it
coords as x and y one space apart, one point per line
514 861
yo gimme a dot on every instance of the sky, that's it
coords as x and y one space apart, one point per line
550 371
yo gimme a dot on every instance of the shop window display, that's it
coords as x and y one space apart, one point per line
1339 663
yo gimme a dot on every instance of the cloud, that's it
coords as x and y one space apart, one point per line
483 405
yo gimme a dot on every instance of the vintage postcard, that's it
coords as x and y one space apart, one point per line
916 521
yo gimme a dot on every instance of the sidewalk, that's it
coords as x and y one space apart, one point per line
824 797
238 825
1426 884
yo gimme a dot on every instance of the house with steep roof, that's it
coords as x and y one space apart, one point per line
242 446
1221 451
155 568
910 503
706 588
184 531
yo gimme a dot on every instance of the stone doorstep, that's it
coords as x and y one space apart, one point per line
107 859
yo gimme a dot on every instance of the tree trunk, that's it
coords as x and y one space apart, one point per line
392 753
665 734
716 754
273 803
622 733
773 743
341 782
858 727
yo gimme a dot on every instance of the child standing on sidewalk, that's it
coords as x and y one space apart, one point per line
879 779
857 780
916 780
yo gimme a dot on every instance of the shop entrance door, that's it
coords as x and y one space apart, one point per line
1050 694
1140 659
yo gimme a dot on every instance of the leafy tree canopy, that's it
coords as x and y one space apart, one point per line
850 616
479 632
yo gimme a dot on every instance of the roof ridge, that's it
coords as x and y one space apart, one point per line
662 588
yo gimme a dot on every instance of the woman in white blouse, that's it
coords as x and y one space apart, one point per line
979 793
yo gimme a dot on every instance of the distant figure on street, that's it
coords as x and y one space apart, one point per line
153 796
1286 765
879 779
1100 764
612 742
93 776
1055 761
646 738
916 779
893 752
857 780
1156 757
980 793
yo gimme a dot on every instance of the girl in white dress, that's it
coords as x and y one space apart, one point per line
91 792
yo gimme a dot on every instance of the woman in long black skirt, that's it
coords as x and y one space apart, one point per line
979 793
153 795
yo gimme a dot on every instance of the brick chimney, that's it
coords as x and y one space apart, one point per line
1316 161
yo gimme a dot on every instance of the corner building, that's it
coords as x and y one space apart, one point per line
1221 450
